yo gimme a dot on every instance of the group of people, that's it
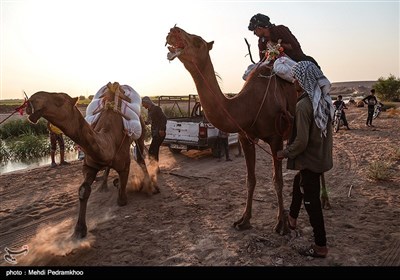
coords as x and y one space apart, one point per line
310 148
309 151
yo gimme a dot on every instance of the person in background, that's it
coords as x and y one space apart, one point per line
56 136
340 105
223 144
81 153
266 31
158 121
371 101
239 147
310 150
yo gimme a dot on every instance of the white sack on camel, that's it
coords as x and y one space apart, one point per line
131 110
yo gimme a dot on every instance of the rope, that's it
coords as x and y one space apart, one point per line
18 109
118 149
264 98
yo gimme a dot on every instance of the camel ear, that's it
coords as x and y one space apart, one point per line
59 100
75 100
210 45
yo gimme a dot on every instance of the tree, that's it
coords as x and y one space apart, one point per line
388 89
82 97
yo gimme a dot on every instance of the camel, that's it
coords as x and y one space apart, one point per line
263 109
105 142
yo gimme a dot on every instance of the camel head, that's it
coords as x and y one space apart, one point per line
50 105
191 50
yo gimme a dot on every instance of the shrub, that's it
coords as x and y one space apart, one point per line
396 154
4 155
16 128
379 170
28 146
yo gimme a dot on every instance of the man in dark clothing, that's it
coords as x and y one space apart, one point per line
371 101
158 121
266 31
340 105
310 150
223 144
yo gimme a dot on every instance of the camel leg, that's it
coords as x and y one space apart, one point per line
123 180
324 194
84 193
104 187
140 159
250 156
282 224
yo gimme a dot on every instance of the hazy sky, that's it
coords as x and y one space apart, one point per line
77 46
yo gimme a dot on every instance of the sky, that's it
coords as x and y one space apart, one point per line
78 46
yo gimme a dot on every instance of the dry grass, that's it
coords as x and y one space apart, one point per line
379 170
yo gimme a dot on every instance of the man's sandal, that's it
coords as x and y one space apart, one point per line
310 252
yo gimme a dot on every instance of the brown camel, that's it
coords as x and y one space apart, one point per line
105 143
261 110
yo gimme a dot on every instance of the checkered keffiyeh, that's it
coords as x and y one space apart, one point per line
317 86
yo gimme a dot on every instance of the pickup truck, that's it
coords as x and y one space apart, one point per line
189 129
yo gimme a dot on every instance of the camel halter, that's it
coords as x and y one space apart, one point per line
20 109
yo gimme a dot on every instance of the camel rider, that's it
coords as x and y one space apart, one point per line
266 31
158 121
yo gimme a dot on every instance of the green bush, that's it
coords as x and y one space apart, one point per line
4 155
28 146
16 128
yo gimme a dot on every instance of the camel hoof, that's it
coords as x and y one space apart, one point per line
282 229
122 201
80 232
240 225
327 206
156 190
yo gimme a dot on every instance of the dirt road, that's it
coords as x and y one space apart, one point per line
190 221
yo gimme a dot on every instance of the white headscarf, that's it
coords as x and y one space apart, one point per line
317 86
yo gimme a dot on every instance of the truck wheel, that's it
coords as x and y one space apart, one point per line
175 151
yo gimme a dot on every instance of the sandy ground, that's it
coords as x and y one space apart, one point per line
190 222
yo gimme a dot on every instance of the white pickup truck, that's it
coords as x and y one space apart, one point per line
190 131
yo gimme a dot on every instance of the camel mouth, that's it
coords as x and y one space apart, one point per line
33 115
173 53
175 43
33 118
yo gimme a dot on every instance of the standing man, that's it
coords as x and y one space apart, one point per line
158 121
310 150
223 144
56 136
371 101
